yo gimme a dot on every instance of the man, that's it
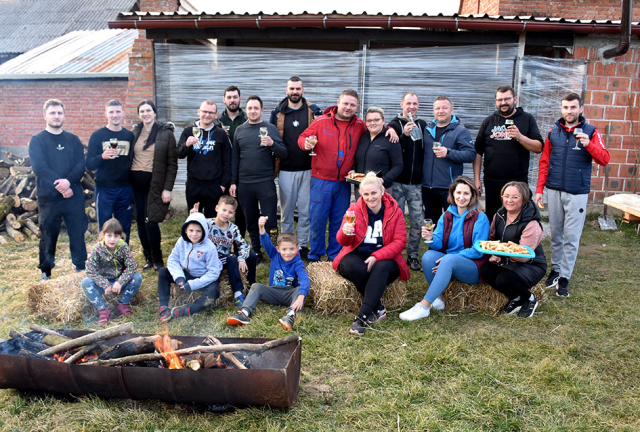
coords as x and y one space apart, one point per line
338 131
231 118
253 171
208 160
444 162
292 116
57 158
565 170
109 155
407 186
505 148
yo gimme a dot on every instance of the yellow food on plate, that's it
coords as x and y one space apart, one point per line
510 247
356 176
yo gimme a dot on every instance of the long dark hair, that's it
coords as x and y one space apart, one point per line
156 125
474 191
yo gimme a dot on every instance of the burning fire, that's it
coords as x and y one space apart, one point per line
62 357
164 347
87 358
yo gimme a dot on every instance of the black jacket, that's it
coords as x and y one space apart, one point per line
211 161
379 155
412 152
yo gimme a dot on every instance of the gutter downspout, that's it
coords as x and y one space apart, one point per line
625 32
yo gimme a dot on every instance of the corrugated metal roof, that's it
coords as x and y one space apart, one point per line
27 24
97 52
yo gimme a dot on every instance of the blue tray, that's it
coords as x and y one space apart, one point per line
531 253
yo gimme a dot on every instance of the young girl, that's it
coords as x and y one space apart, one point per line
111 269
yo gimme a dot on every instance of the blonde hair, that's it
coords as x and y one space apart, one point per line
371 178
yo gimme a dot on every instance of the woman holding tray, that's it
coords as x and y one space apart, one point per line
518 220
451 253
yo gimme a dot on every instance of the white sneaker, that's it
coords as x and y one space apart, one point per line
417 312
438 304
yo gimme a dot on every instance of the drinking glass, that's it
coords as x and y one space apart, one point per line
508 123
113 142
428 223
313 140
576 131
264 132
350 217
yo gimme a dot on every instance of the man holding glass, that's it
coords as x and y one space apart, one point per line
565 170
506 147
208 152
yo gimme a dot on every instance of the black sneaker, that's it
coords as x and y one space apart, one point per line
563 287
512 307
180 311
377 316
287 321
259 257
304 252
359 326
552 280
238 319
414 264
528 308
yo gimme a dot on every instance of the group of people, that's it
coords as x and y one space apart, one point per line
233 158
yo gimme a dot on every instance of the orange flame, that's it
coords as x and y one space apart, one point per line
164 347
87 358
62 357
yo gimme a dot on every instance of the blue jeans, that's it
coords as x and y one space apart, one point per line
117 202
451 266
328 200
235 279
94 293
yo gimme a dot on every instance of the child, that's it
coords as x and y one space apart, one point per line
192 265
289 283
225 234
111 269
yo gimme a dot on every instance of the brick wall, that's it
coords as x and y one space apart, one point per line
490 7
581 9
84 101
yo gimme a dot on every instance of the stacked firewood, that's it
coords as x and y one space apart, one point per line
18 199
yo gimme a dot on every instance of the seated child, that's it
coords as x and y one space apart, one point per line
111 269
289 283
192 265
224 234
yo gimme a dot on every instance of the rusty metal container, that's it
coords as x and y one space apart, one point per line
273 379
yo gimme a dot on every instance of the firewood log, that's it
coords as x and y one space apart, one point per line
17 170
91 213
210 340
44 330
13 221
90 338
139 345
16 202
3 241
28 204
34 193
4 173
14 234
21 185
83 352
7 185
28 224
6 205
27 215
27 342
28 234
87 181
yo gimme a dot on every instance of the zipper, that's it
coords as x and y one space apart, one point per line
338 152
189 255
564 159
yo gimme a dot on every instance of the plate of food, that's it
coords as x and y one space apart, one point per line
509 249
355 178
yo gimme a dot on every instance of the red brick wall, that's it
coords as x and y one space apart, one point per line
612 97
490 7
84 101
582 9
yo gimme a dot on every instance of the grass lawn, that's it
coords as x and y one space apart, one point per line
574 366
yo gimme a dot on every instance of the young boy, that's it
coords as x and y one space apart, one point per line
289 283
224 235
192 265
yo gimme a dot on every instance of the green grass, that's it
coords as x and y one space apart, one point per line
574 366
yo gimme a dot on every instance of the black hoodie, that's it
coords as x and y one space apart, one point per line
211 161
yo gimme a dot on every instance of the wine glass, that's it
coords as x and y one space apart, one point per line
313 140
428 224
350 217
113 142
576 131
264 132
508 123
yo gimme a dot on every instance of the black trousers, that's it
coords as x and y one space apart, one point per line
506 281
435 202
370 284
148 232
75 219
259 199
493 199
210 293
206 193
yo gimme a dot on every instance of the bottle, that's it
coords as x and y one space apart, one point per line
416 133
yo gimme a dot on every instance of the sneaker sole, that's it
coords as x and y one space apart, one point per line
286 327
355 332
533 311
554 284
565 296
235 322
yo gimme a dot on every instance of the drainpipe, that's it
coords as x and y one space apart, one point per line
625 32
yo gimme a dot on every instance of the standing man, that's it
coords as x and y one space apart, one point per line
443 162
208 160
109 155
231 118
253 171
565 170
407 186
505 148
338 131
292 116
57 158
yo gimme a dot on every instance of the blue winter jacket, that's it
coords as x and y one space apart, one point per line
456 239
439 173
285 273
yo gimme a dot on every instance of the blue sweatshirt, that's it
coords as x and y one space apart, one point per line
285 273
200 260
456 241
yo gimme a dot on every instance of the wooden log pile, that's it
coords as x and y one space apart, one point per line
18 200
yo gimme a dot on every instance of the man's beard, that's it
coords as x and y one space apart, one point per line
233 109
294 98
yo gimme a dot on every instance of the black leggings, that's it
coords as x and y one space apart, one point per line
259 199
506 281
371 285
148 232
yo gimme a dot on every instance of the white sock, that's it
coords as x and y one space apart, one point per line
532 298
237 294
245 311
517 298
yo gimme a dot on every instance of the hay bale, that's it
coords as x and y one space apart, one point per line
460 296
331 293
62 300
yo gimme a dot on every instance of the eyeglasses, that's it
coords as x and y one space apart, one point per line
513 197
374 120
504 99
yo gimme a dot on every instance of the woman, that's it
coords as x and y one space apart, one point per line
451 255
518 220
153 172
371 256
376 153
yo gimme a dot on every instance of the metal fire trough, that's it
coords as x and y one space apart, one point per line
273 379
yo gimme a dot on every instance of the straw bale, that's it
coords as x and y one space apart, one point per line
331 293
62 300
480 297
181 297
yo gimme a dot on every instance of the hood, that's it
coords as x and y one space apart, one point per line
198 218
197 124
455 121
284 107
528 213
453 209
332 110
